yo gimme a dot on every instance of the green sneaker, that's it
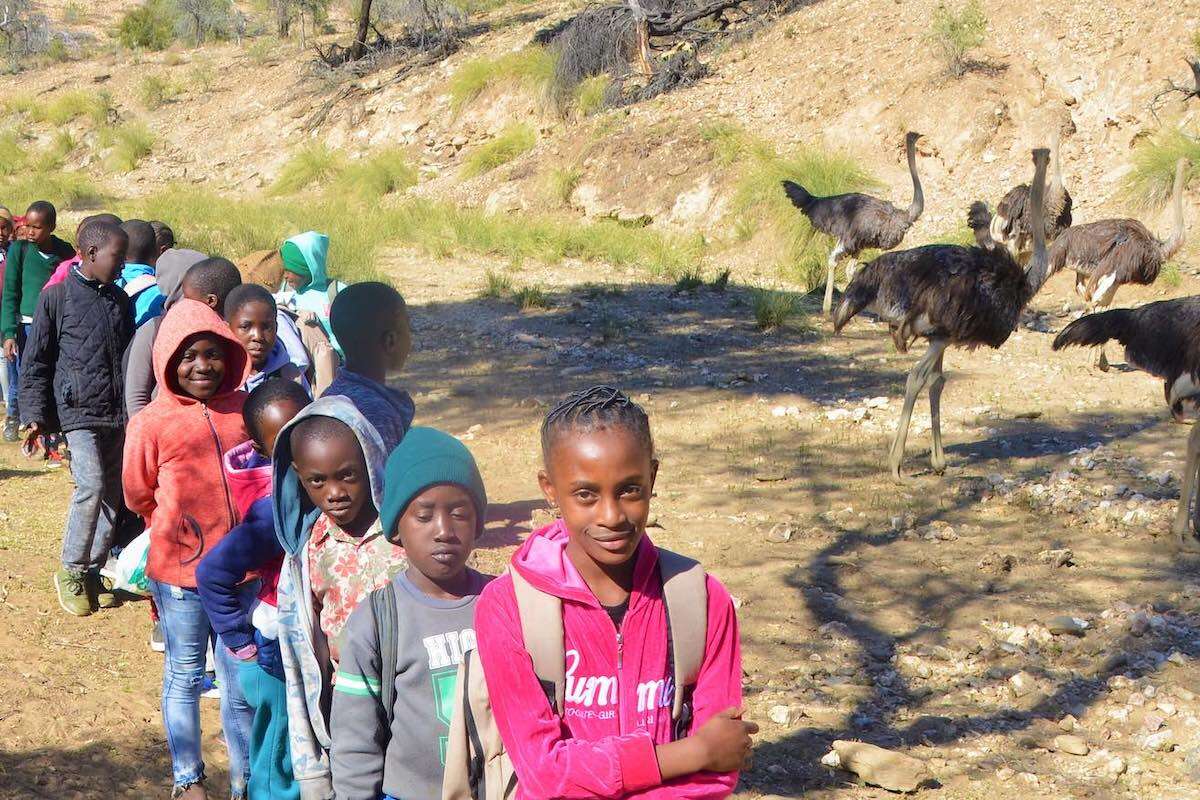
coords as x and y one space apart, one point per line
72 591
100 590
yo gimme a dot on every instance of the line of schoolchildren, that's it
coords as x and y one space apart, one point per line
327 545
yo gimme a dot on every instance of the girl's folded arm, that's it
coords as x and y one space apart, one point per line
718 687
249 546
549 763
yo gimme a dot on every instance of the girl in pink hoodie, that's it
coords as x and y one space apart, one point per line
616 737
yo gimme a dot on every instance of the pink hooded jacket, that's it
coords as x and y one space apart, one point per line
619 689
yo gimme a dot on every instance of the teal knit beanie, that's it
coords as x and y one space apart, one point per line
427 457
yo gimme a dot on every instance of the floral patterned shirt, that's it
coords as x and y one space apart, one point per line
343 570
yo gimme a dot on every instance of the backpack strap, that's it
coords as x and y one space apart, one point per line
383 606
332 290
140 284
542 629
685 593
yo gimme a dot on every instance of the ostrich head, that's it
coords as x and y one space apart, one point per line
979 219
918 202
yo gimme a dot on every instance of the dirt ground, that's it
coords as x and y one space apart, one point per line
896 615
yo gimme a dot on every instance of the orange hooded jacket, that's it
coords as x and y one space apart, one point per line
173 473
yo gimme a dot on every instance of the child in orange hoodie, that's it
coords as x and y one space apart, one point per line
173 476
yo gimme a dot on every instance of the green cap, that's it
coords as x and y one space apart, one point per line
428 457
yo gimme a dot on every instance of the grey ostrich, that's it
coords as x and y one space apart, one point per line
1113 252
1012 225
948 295
1162 339
858 221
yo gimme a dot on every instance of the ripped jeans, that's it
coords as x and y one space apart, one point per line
186 630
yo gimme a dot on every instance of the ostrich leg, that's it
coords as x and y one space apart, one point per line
937 456
918 377
835 255
1182 527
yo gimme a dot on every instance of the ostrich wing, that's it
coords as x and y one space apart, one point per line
859 221
1124 248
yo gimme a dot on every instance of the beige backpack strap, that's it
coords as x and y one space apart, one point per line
542 629
456 778
685 593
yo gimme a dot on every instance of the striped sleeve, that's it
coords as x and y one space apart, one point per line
358 726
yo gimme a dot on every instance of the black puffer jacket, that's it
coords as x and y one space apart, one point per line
71 371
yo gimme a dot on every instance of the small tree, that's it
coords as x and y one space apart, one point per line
955 33
206 18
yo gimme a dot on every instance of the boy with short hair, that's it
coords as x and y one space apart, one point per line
328 489
72 382
138 277
164 237
371 322
30 261
434 506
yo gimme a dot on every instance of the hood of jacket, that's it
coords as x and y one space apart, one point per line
133 270
543 561
170 269
189 317
294 512
314 248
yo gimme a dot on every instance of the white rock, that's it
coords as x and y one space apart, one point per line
1022 684
832 760
782 715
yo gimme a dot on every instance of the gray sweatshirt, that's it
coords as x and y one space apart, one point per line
367 759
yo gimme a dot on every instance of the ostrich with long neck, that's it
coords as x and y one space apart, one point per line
859 221
948 295
1162 339
1110 253
1012 226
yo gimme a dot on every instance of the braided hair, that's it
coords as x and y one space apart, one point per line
594 409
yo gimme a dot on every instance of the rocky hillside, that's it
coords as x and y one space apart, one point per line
844 75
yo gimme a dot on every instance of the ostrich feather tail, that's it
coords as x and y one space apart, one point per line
1094 330
861 292
801 198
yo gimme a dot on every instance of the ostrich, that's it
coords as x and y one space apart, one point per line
948 294
858 221
1012 224
1112 252
1162 339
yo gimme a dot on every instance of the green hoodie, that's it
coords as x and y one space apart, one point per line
308 254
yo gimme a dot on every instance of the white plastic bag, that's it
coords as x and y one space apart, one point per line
130 573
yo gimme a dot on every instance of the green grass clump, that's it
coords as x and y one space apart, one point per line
1170 275
531 67
529 298
129 144
962 235
202 78
689 281
13 155
101 109
1149 183
150 26
496 285
155 91
375 176
760 197
509 144
70 190
65 107
954 33
312 165
730 143
592 94
20 104
774 309
561 183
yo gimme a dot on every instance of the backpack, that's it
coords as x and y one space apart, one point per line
477 765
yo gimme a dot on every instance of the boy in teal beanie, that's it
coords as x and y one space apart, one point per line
434 505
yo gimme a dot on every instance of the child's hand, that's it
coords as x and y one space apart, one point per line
10 349
31 445
726 741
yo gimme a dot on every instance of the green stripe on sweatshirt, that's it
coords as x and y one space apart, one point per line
360 686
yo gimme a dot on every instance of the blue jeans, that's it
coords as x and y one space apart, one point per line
96 502
14 372
186 630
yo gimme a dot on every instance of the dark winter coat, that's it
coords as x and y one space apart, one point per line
71 369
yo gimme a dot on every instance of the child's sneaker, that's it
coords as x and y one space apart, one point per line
210 688
157 643
101 589
72 590
12 429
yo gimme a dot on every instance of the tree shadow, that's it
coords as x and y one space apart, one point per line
509 523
